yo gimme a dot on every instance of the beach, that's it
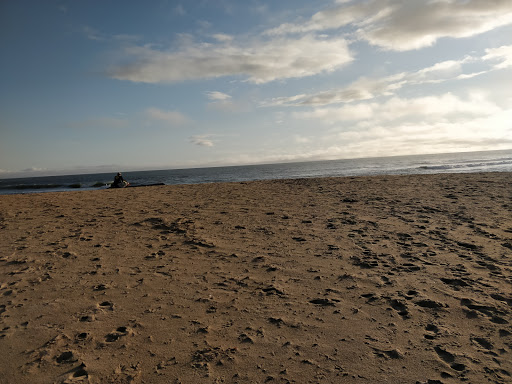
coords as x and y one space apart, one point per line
384 279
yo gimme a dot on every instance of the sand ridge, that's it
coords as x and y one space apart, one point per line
399 279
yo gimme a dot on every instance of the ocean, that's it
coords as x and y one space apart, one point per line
467 162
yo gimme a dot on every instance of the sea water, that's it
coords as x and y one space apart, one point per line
489 161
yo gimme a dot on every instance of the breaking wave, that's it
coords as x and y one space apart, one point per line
461 166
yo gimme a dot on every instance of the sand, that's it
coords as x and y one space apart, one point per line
390 279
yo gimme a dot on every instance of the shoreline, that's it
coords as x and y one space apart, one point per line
470 162
40 188
388 278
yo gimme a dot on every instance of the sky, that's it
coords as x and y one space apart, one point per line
100 86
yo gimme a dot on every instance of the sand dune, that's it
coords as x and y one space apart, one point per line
395 279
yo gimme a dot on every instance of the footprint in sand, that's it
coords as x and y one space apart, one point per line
449 359
5 331
100 287
388 354
66 357
87 318
117 334
487 310
427 303
481 342
400 307
432 330
79 373
106 305
83 336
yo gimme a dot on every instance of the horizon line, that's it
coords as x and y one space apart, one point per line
28 173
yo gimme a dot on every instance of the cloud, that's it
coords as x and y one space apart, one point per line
424 109
433 124
93 34
221 37
344 95
379 135
256 61
366 88
403 139
171 117
260 9
33 169
430 136
96 35
202 140
413 25
402 25
502 54
203 24
179 10
217 96
224 103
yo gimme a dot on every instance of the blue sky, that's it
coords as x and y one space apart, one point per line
93 86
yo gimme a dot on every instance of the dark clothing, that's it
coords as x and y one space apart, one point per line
118 181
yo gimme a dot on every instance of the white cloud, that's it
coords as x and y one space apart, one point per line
33 169
224 103
257 61
413 25
388 140
380 137
222 37
354 92
300 50
217 96
202 140
434 124
403 24
431 137
171 117
424 109
502 54
368 88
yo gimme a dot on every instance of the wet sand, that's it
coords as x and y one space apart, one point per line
389 279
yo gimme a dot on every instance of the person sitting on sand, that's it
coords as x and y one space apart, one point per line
119 182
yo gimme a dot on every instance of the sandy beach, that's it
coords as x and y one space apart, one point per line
389 279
